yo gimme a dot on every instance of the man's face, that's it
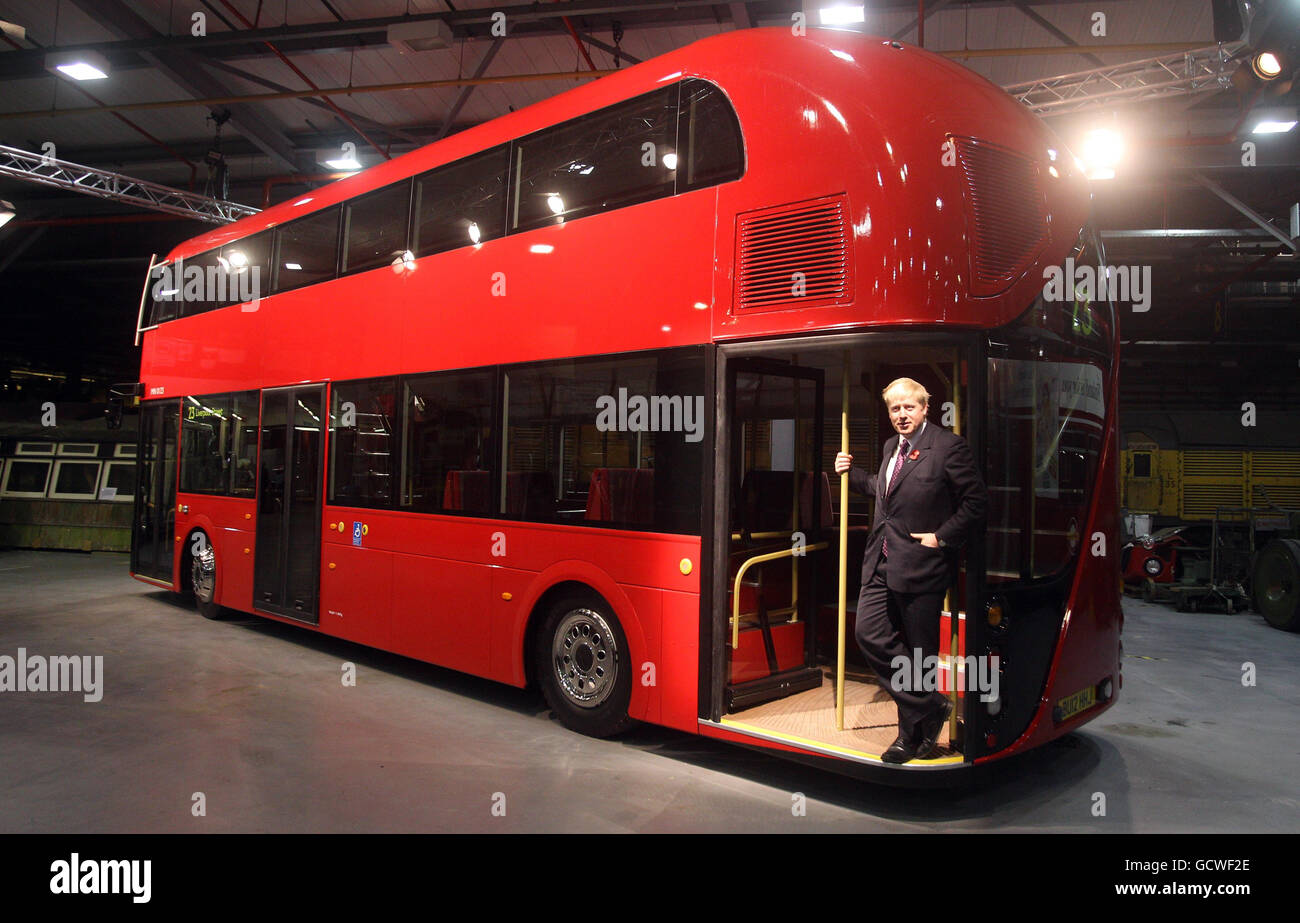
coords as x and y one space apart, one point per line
906 411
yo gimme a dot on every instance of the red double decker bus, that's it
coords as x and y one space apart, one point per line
556 400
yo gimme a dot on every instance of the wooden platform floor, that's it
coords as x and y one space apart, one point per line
870 717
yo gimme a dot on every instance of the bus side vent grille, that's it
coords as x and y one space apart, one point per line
793 256
1007 214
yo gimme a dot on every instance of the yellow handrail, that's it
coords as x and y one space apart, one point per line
759 559
844 548
949 602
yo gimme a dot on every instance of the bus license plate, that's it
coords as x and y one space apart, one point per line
1072 705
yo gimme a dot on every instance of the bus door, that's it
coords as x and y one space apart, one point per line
780 520
155 497
286 568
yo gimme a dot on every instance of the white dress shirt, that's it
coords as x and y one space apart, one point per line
893 459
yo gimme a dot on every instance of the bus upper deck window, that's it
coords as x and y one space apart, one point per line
611 158
708 131
374 228
308 250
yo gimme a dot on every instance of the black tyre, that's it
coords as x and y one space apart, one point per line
203 576
1276 584
1148 590
584 667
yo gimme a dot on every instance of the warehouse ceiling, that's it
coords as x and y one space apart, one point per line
262 85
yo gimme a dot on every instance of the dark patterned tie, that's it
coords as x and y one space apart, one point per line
893 479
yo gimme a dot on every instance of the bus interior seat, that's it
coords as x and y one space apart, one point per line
621 495
530 494
468 491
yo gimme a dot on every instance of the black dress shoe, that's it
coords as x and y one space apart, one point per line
900 751
929 731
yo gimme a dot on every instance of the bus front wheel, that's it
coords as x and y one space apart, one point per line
583 667
203 576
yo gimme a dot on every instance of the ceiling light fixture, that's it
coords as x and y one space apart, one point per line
78 65
843 14
425 35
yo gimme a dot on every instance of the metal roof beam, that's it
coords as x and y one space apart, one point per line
465 92
318 103
185 70
1056 33
934 8
531 17
1164 233
12 253
741 15
623 56
1246 210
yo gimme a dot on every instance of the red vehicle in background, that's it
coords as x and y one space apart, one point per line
1157 560
556 400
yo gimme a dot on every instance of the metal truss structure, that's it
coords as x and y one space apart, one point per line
1181 74
50 171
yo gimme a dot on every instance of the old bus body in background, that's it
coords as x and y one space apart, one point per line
1213 526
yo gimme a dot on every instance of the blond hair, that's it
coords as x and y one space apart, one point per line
909 387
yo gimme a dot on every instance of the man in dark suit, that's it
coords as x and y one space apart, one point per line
929 494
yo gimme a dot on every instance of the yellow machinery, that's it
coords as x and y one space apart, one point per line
1191 484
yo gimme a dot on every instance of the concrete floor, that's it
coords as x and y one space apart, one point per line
252 714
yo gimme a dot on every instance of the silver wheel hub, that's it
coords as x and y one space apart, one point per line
584 655
203 573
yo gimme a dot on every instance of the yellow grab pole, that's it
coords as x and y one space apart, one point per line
844 549
953 657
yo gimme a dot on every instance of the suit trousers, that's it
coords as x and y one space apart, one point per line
891 625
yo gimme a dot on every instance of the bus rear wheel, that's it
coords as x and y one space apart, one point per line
203 576
583 667
1276 584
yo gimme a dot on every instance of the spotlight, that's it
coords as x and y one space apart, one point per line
1102 150
1266 65
6 212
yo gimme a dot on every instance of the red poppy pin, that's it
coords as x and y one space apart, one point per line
915 454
